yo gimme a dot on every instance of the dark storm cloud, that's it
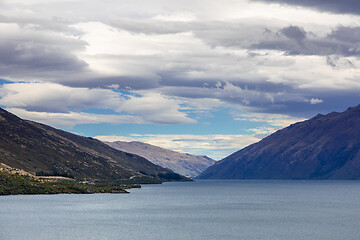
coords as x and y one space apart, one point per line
346 34
294 32
336 100
292 39
335 6
263 96
170 79
289 101
242 94
36 57
32 54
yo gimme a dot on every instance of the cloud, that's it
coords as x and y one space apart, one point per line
55 98
299 42
29 21
173 57
335 6
262 132
294 32
316 101
29 54
189 59
346 34
69 119
254 97
155 108
292 39
153 26
276 121
216 146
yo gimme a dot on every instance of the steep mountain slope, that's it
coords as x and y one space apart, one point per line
324 147
44 150
184 164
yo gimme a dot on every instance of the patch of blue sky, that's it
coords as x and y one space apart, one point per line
126 93
103 111
221 122
4 81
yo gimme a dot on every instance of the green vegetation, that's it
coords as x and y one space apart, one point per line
170 176
53 173
14 184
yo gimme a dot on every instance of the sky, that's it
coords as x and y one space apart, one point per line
204 77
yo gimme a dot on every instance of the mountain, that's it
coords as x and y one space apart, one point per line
182 163
324 147
41 149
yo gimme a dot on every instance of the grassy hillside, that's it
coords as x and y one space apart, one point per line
44 150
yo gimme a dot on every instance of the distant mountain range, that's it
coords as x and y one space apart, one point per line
182 163
324 147
43 150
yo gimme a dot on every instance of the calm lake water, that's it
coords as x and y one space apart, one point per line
249 210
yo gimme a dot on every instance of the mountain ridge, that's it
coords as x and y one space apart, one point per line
44 150
323 147
181 163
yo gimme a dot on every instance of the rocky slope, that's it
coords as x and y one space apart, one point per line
324 147
184 164
41 149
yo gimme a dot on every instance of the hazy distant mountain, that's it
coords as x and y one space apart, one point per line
324 147
44 150
184 164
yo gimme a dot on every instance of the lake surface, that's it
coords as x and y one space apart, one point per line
249 210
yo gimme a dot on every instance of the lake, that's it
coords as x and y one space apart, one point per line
249 210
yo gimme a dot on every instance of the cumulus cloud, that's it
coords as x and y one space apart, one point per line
69 119
51 98
175 57
316 101
188 59
291 39
155 108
